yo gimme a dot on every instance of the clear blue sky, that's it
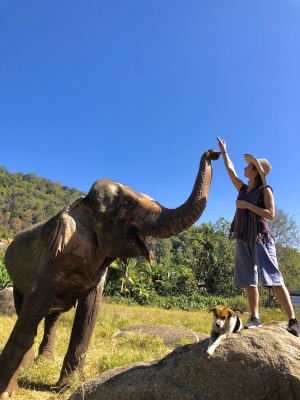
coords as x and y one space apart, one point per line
136 91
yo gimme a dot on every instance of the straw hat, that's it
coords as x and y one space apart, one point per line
262 165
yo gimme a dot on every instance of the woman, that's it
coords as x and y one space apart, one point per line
255 246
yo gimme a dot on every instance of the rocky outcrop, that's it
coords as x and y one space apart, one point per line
254 364
7 305
171 335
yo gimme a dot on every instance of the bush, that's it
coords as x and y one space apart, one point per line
196 301
186 284
238 303
5 280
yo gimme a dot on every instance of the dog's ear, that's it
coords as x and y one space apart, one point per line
213 310
229 315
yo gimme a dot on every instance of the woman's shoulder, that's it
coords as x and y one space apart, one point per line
267 187
263 188
243 188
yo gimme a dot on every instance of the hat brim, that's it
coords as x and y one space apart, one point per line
253 160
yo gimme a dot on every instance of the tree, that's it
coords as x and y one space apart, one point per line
222 273
285 229
203 249
161 248
16 224
287 240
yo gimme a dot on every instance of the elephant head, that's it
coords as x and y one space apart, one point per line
124 218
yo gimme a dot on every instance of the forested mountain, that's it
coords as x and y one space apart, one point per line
28 199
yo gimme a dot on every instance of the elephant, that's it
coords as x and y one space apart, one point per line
57 264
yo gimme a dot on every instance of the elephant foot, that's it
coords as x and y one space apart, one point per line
67 377
64 382
8 390
48 355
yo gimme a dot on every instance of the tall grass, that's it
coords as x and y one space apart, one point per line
105 351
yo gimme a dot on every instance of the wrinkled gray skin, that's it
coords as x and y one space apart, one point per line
57 263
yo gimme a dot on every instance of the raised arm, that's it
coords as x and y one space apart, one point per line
237 182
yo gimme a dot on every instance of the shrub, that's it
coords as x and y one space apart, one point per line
193 302
238 303
5 280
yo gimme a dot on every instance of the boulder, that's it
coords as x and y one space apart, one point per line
7 305
171 335
255 364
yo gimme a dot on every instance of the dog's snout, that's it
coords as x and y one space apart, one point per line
218 325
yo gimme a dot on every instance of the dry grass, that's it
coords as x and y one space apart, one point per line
105 351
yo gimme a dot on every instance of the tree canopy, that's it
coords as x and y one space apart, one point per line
28 199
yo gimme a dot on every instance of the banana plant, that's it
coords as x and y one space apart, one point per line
136 272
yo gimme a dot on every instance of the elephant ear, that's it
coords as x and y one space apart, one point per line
65 228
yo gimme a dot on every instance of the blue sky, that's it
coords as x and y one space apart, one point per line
136 91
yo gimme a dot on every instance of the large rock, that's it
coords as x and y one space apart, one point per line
171 335
254 364
7 305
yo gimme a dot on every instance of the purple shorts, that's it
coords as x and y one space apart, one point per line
251 258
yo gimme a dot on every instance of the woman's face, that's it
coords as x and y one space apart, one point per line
250 171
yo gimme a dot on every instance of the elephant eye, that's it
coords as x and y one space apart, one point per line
127 204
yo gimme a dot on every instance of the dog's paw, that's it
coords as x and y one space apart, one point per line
210 350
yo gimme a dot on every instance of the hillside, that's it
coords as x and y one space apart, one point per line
28 199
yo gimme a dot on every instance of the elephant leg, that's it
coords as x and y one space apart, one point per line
28 358
46 348
36 304
18 300
85 318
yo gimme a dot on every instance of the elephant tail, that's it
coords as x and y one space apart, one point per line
65 228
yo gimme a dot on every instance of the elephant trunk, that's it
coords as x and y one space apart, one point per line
162 222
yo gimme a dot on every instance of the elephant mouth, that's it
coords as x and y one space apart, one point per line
146 245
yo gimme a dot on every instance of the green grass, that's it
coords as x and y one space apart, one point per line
106 352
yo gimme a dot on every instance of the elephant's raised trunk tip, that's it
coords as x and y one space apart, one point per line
212 154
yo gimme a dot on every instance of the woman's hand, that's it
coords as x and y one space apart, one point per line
222 145
242 204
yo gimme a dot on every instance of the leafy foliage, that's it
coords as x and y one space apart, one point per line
287 238
5 280
132 279
285 230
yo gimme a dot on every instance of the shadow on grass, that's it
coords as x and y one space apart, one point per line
39 387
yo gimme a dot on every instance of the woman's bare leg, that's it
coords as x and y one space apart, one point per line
284 299
253 300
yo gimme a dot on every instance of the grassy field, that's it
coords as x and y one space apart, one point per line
106 352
